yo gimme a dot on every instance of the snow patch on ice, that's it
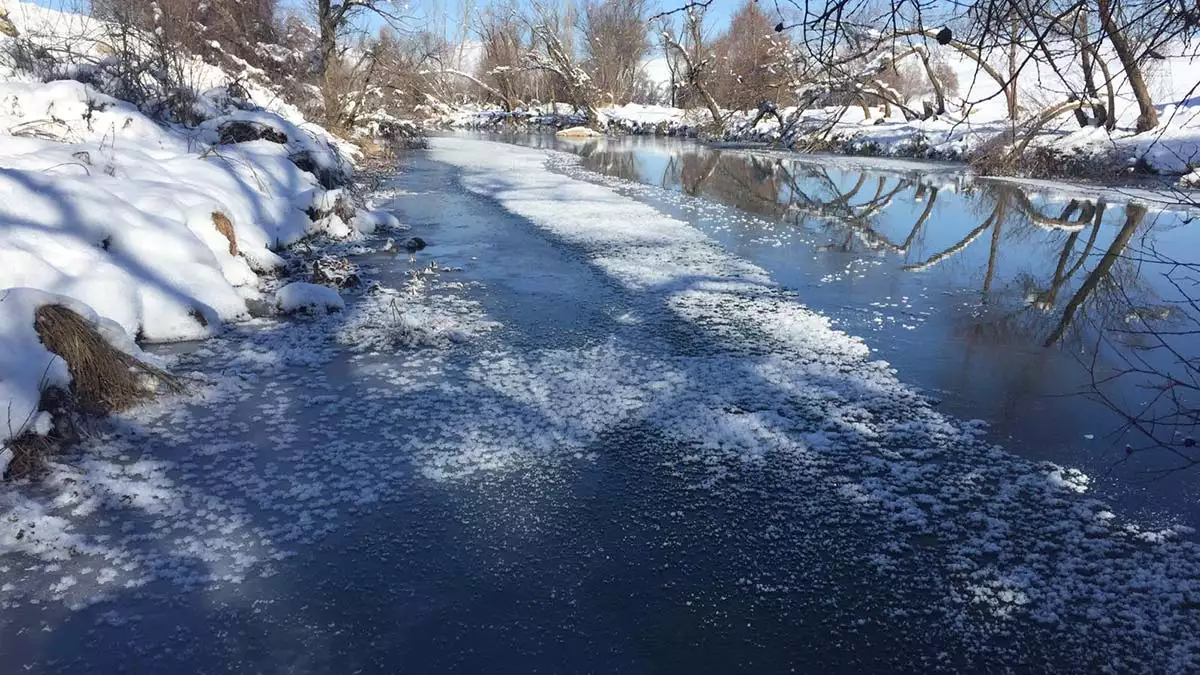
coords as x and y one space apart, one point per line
300 296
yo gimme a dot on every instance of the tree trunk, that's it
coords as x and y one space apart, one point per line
1089 78
1148 116
327 48
1110 117
1011 90
938 92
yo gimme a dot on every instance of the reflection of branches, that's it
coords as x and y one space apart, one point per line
924 217
1097 280
1169 420
835 205
1046 298
1134 213
620 164
1086 209
996 217
693 177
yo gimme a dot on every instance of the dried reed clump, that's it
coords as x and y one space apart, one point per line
6 25
225 227
27 453
103 378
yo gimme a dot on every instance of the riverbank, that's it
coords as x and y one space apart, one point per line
1059 149
136 221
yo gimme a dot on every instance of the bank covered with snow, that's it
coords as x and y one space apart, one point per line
160 230
976 122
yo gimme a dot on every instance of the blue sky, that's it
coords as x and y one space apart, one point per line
438 11
718 13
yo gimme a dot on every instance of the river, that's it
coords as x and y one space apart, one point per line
962 283
598 438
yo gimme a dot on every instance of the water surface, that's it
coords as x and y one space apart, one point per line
1032 307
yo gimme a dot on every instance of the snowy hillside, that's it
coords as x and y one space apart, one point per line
155 231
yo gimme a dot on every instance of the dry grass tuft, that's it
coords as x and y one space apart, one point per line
225 227
6 25
103 378
28 453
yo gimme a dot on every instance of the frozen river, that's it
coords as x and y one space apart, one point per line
607 436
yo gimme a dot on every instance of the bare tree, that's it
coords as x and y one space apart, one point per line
747 54
552 52
501 31
236 27
391 75
335 21
695 59
1147 115
614 33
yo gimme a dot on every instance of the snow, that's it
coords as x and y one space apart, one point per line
367 222
579 132
300 296
114 211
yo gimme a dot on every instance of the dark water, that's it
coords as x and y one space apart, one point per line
1032 307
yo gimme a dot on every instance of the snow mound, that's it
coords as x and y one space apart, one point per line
579 132
367 222
300 296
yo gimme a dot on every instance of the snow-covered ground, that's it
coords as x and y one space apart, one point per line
162 231
616 403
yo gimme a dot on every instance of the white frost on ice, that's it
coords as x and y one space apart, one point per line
789 393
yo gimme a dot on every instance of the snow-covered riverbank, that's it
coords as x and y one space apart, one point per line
976 126
608 400
152 229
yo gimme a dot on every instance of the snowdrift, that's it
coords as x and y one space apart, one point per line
156 231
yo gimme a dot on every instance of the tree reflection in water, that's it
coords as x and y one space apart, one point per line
1095 284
